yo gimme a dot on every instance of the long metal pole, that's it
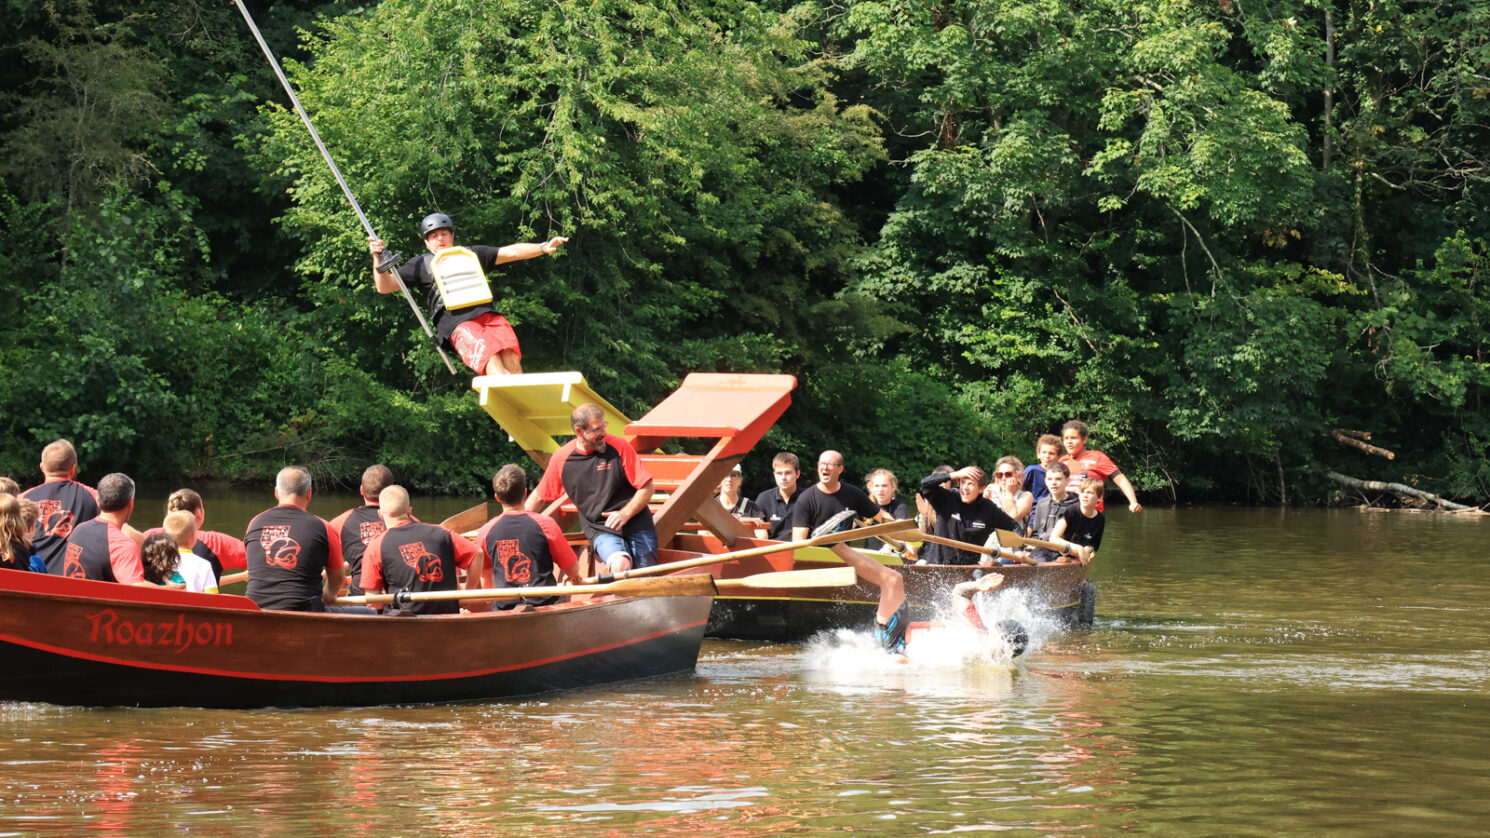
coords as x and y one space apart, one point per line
392 259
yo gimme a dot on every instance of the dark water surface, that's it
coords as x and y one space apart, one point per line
1251 673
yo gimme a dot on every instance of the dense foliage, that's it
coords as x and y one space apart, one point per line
1213 231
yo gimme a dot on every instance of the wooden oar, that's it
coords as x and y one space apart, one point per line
230 578
978 548
689 584
1010 539
470 519
888 527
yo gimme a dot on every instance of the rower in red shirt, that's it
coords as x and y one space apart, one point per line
101 548
412 556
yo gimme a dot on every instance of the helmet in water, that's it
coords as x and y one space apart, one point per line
1014 635
435 221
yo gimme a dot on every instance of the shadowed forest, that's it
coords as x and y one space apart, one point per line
1218 232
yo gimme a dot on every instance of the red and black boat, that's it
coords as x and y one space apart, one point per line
80 642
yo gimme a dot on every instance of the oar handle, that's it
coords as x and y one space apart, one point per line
978 548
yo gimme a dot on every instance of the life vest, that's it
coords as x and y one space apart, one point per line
459 278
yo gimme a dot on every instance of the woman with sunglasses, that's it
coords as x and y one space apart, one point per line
1005 490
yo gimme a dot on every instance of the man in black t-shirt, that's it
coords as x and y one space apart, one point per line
482 338
827 498
609 485
777 504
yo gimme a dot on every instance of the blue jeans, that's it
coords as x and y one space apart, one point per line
641 546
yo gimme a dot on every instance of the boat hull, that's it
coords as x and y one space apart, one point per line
77 642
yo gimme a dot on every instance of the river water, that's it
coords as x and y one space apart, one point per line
1251 672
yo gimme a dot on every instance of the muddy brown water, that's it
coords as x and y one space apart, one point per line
1251 672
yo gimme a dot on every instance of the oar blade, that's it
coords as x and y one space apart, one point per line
828 577
467 520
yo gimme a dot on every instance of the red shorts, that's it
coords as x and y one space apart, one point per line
477 341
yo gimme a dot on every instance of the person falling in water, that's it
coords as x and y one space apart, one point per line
482 338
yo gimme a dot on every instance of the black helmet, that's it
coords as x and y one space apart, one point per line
1014 635
435 221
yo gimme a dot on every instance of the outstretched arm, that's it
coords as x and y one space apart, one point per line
1127 488
529 250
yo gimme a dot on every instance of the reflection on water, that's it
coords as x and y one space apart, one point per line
1251 672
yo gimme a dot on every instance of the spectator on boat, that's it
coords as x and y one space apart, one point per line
522 547
165 564
358 526
1049 510
730 498
964 514
218 549
1079 530
63 501
777 505
1006 490
609 485
830 496
1085 462
482 338
29 513
413 556
289 549
15 536
8 486
193 571
881 485
103 548
927 521
1047 451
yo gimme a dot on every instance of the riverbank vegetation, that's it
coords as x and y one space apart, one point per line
1215 232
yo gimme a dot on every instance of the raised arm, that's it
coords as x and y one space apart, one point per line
529 250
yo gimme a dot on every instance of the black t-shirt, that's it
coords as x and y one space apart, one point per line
1046 513
815 506
287 549
970 523
358 529
419 557
63 505
521 556
418 275
598 483
777 512
1084 531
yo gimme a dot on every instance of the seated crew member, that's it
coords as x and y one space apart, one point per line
963 515
15 536
63 501
730 498
101 548
822 501
218 549
191 570
1050 509
1006 490
1080 528
412 556
289 549
777 504
522 547
609 486
1085 462
482 338
881 485
358 526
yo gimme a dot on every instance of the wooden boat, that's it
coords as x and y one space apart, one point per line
80 642
727 414
1061 591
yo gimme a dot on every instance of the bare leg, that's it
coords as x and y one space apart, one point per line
510 360
889 581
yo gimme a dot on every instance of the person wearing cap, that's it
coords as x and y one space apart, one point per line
731 499
482 338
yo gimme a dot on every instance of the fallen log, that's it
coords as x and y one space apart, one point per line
1356 439
1398 489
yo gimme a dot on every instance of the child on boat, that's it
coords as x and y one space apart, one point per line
193 571
1051 508
1079 530
1047 451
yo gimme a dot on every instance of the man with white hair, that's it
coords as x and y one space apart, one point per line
413 556
288 550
